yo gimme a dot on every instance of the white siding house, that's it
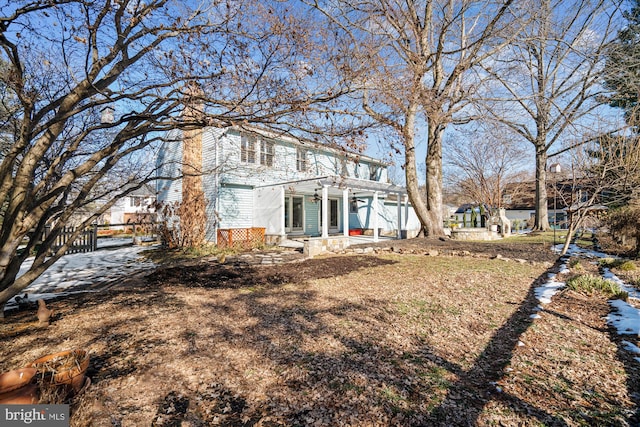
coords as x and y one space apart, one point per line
291 187
137 206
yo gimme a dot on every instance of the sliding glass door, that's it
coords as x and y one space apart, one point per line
294 214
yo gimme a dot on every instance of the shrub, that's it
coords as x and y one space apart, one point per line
607 262
627 266
622 264
624 224
183 224
589 284
574 263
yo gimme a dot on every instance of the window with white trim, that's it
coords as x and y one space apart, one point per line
266 152
373 172
248 149
301 160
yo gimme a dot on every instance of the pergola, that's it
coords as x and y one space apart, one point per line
346 188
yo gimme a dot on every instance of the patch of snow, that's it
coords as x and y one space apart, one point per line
114 241
625 318
564 268
632 291
545 292
630 347
575 250
74 272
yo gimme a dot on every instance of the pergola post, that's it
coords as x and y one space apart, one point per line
399 205
375 216
406 211
283 225
325 211
345 212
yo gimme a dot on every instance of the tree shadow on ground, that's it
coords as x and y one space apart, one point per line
324 374
357 377
477 386
630 362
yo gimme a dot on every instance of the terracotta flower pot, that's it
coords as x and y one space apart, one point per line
17 378
65 368
26 395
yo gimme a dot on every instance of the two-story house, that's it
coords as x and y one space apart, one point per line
137 206
290 187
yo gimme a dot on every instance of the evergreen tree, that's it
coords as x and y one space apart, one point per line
623 67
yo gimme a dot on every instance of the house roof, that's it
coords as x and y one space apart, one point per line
523 195
146 190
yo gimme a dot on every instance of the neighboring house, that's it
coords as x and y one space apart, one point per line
136 207
519 200
290 187
81 214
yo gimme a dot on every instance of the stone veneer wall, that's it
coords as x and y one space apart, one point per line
474 234
317 245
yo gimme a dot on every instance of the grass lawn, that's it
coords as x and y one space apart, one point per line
382 339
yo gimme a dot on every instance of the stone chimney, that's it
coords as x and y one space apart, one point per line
193 212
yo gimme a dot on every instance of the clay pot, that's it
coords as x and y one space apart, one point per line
26 395
17 378
66 367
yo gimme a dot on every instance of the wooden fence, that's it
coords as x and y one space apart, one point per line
87 241
245 238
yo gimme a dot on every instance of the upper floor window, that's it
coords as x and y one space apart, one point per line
266 152
248 149
136 201
373 172
583 196
301 160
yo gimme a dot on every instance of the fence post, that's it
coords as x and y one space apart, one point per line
94 243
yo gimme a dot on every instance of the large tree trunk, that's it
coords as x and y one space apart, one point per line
541 215
433 161
428 208
411 172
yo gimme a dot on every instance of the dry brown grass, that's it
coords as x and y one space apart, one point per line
384 339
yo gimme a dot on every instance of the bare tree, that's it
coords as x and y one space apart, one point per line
550 78
421 57
605 173
96 83
481 163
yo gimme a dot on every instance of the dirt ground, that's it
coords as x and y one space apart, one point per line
424 332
